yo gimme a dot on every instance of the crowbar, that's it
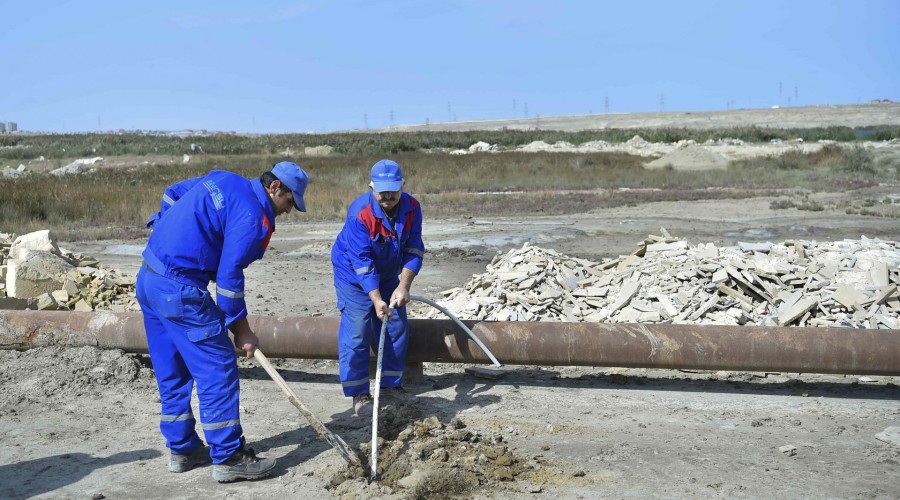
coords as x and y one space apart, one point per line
384 323
331 438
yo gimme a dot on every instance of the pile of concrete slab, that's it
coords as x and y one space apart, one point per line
850 283
36 274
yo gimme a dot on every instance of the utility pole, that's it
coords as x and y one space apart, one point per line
606 103
392 118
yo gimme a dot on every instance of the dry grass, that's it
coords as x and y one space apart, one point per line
115 202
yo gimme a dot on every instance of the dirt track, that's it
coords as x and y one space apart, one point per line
83 423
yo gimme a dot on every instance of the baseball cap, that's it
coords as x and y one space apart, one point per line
387 176
295 178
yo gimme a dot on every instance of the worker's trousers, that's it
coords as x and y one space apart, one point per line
189 344
360 328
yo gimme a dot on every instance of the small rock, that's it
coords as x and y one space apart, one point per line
789 450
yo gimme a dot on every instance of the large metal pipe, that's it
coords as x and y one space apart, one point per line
698 347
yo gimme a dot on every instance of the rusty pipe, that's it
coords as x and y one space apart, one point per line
697 347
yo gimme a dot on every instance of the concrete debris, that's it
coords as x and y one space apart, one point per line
36 274
14 173
76 167
849 283
890 435
482 146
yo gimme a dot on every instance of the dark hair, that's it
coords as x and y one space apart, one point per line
267 178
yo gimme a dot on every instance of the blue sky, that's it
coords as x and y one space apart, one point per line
312 66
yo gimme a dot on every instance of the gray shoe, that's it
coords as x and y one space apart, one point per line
397 394
185 462
243 464
362 405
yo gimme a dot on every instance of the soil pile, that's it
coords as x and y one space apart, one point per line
691 157
425 458
49 373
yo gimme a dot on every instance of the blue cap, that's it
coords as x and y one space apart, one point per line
387 176
295 178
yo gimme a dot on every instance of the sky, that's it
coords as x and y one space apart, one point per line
320 66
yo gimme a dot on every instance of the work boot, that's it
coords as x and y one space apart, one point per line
184 462
397 394
243 464
362 405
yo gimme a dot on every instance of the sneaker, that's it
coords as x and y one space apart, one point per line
243 464
185 462
362 405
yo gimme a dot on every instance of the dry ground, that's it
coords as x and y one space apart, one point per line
83 423
80 424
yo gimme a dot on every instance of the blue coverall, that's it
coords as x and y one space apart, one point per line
371 253
220 224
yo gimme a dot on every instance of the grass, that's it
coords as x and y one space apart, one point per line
63 146
115 202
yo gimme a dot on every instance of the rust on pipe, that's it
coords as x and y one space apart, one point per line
697 347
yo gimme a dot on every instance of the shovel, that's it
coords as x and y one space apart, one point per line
331 438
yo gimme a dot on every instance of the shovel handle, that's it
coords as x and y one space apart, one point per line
331 438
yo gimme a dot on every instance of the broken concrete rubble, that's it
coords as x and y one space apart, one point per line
37 274
849 283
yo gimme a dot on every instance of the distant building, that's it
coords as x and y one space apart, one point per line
12 126
2 127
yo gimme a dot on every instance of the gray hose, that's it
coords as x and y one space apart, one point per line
461 325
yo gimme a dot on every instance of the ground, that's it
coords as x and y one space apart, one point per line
83 423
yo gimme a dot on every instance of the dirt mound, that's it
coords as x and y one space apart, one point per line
690 158
425 458
40 374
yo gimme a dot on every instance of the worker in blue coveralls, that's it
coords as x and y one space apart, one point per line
209 228
375 257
